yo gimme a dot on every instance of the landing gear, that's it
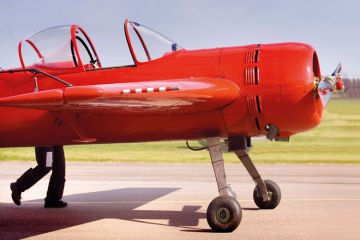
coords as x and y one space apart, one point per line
274 194
267 194
224 212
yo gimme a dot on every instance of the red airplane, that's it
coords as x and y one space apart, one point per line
61 95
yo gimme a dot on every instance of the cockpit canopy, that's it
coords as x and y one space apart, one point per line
69 47
146 44
59 47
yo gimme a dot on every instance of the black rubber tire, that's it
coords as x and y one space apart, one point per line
275 196
224 214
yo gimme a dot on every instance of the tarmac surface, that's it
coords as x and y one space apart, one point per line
169 201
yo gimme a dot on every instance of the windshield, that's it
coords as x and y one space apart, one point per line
146 44
59 47
48 46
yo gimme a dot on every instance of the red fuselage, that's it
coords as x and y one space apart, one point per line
275 82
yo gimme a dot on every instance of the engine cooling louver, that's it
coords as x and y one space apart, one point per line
252 53
255 110
254 105
252 76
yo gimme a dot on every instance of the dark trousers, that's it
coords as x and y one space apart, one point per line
57 180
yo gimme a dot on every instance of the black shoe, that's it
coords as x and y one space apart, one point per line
15 194
57 204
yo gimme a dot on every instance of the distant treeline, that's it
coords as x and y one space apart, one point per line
352 88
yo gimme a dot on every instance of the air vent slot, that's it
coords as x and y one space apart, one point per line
257 124
256 56
254 105
252 53
252 76
258 104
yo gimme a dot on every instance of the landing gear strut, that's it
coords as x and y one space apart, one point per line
224 212
267 194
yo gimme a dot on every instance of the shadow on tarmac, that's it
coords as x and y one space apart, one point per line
32 219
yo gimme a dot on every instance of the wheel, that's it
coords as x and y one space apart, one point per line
224 214
275 196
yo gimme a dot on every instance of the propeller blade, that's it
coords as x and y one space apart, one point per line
325 92
337 70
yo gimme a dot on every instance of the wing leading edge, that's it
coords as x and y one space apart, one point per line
180 95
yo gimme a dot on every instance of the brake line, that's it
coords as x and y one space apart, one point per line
194 148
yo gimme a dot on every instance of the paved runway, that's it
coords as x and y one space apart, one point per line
161 201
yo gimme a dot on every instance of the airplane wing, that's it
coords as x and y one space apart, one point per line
180 96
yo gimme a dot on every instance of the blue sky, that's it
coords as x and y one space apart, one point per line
332 27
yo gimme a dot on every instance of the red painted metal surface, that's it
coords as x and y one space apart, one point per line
210 92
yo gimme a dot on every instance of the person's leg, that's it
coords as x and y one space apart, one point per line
31 176
57 180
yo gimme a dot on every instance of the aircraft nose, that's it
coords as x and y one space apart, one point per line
302 107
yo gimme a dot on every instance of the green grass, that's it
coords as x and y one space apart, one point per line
336 140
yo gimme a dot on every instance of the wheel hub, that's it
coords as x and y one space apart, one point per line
223 215
267 197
